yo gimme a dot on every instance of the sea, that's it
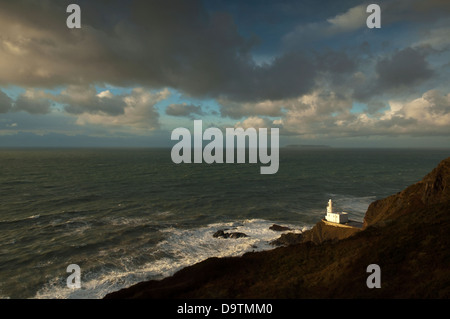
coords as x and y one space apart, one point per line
129 215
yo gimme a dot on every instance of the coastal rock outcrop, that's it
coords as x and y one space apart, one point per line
287 239
433 189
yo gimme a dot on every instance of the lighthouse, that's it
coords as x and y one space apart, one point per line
330 207
339 218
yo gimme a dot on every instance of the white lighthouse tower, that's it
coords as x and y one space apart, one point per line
339 218
330 207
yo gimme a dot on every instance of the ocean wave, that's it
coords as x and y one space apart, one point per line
179 248
17 220
198 243
44 218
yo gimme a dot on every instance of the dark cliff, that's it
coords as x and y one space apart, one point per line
407 235
433 189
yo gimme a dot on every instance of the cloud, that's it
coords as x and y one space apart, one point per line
5 102
418 14
40 124
415 11
238 110
289 75
147 42
405 67
404 70
429 114
134 111
324 114
349 21
139 114
320 111
85 99
34 102
336 68
437 38
125 111
184 109
254 122
439 103
175 44
37 49
157 44
309 85
353 19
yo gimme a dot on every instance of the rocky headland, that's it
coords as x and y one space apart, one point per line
407 234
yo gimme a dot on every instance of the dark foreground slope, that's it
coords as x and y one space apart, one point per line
407 235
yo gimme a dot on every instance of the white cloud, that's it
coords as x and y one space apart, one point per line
105 94
253 122
265 108
431 112
328 114
351 20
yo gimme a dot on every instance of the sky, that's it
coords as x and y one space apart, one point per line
136 70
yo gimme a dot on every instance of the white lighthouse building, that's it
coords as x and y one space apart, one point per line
339 218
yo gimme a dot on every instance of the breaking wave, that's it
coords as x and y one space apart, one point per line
178 249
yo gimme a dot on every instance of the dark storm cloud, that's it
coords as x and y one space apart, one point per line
337 62
401 71
405 67
5 102
159 44
336 66
33 102
299 65
417 11
204 54
289 75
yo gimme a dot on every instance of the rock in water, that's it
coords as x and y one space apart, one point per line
221 233
276 227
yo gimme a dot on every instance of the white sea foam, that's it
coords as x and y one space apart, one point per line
197 244
180 248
